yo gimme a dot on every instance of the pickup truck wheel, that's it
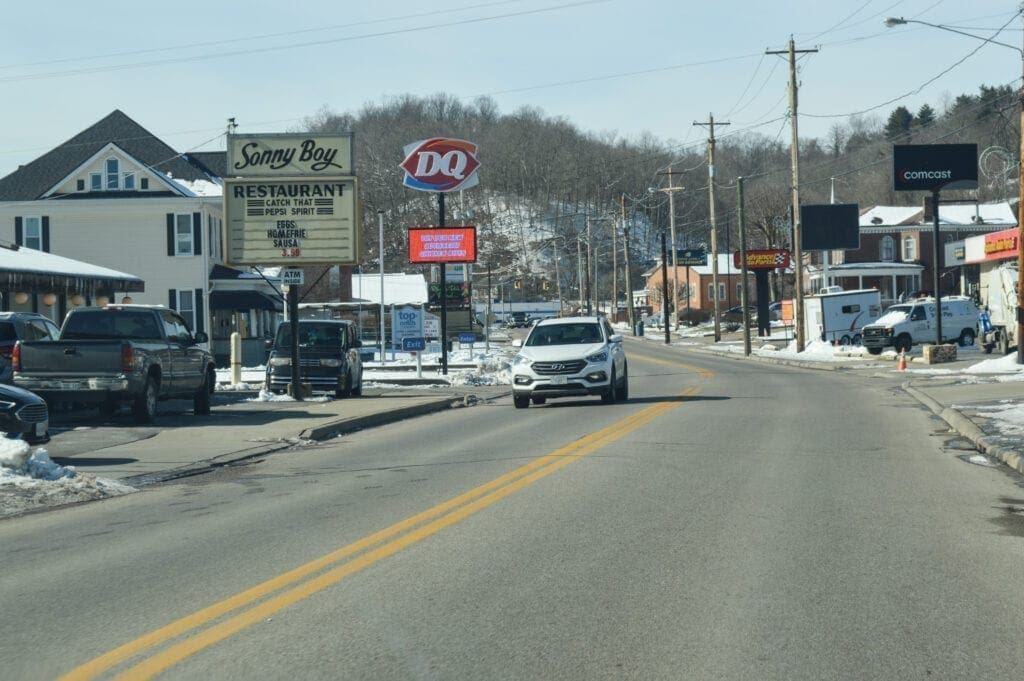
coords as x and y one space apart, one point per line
201 400
346 387
903 343
144 407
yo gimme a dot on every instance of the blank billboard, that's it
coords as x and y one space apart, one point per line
830 227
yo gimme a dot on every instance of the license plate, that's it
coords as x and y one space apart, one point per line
558 380
41 428
70 385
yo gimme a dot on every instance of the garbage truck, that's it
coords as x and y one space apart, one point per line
999 296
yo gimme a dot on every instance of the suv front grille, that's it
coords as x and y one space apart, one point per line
33 413
558 368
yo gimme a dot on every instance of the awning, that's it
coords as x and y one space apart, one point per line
29 269
244 300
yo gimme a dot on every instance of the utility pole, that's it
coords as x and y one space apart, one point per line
743 266
625 244
671 190
712 214
615 273
794 152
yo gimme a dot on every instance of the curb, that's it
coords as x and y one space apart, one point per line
969 429
348 425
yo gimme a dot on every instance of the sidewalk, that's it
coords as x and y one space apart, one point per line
966 404
251 429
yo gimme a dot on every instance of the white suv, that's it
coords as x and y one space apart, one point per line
569 357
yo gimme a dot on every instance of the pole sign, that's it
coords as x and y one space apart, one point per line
442 244
284 154
764 259
933 167
292 277
440 164
692 257
291 221
406 322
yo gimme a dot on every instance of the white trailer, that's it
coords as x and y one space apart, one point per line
999 295
840 316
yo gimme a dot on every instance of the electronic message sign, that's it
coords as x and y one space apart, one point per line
442 244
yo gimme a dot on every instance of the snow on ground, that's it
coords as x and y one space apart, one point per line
30 480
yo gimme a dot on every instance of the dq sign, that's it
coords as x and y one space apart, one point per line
440 164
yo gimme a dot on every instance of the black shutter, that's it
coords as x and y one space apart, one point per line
197 234
80 185
200 317
170 234
46 234
19 236
172 297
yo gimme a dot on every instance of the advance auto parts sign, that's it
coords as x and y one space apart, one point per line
291 221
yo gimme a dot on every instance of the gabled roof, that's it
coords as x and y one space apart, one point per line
31 181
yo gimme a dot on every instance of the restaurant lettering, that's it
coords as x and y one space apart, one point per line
1005 243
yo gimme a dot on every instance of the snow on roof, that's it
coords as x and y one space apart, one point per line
399 289
890 215
197 187
968 214
30 260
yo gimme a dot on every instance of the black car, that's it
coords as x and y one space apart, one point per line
23 415
16 326
518 320
329 357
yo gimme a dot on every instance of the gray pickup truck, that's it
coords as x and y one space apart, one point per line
119 354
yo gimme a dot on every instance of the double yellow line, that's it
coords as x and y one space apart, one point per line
371 549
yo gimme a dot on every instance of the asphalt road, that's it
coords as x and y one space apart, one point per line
734 520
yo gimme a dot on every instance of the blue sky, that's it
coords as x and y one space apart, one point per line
628 67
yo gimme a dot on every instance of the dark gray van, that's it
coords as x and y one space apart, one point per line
328 357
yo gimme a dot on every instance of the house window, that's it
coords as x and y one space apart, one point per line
129 181
909 249
33 234
183 234
886 249
95 182
113 168
721 291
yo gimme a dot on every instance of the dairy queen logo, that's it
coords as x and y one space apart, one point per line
440 165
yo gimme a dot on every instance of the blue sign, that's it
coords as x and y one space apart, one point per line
467 338
414 344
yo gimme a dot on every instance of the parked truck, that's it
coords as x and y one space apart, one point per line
1000 299
839 316
107 356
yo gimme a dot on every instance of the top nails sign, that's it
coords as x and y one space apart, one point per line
440 164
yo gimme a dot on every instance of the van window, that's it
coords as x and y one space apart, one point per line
850 309
917 314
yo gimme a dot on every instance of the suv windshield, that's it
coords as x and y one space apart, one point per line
312 335
565 334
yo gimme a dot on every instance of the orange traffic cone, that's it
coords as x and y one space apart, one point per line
903 361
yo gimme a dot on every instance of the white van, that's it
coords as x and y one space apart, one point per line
913 322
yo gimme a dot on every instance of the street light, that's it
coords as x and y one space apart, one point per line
897 21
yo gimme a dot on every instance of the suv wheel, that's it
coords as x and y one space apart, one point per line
624 388
521 401
608 396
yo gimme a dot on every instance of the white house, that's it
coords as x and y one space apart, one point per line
118 197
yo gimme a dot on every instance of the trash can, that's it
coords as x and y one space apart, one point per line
639 328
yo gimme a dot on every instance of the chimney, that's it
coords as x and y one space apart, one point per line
929 217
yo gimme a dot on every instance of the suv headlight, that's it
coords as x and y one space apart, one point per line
598 357
280 361
522 360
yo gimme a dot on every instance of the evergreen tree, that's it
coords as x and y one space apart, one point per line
899 123
925 116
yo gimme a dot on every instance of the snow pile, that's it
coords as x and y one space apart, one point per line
267 396
35 481
490 370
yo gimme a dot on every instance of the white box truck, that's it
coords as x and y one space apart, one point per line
1000 297
840 316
